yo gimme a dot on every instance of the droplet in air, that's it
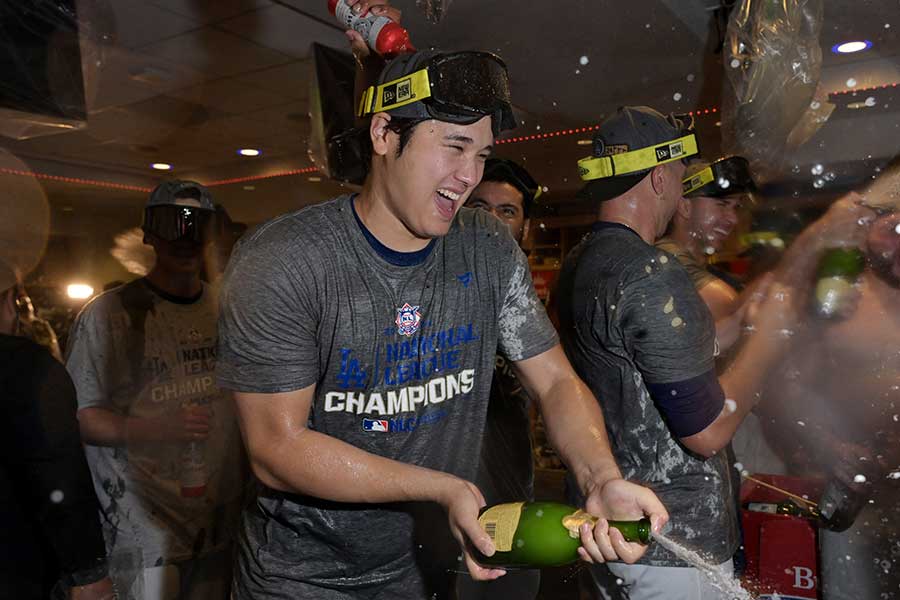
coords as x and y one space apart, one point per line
859 479
677 96
578 71
870 101
690 77
735 63
801 423
56 496
817 169
583 60
663 259
730 405
677 322
545 189
815 104
851 83
709 250
670 305
819 183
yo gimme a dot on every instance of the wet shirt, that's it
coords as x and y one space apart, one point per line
631 320
402 358
140 354
696 269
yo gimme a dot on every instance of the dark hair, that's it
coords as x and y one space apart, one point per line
402 126
502 170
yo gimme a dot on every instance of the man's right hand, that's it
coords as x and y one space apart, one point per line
846 223
462 500
379 8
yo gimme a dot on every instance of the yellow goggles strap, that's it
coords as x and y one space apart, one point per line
394 94
696 181
599 167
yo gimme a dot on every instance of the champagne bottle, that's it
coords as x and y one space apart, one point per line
838 270
543 534
839 505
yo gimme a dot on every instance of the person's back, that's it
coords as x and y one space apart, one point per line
632 317
48 509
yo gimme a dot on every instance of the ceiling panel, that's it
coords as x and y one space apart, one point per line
216 53
290 79
209 11
231 96
285 30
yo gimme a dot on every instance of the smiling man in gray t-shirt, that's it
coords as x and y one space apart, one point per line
359 336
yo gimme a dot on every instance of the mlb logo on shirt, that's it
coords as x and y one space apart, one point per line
408 319
380 425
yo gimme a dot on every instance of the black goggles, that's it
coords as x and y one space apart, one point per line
173 223
724 177
457 87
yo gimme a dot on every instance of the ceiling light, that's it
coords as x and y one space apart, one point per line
162 166
249 188
315 179
584 142
249 152
851 47
79 291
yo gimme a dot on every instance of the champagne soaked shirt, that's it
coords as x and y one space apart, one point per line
631 322
402 359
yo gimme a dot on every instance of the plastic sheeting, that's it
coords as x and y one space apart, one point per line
51 52
772 65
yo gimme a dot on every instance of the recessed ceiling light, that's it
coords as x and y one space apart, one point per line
162 166
249 188
249 152
584 142
851 47
315 179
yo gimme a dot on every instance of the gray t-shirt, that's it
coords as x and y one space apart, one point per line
402 359
138 354
630 318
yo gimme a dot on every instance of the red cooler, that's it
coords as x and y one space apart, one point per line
780 549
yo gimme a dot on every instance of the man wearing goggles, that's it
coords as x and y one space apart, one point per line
641 337
704 218
359 336
161 439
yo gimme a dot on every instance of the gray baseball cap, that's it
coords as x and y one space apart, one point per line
634 128
178 192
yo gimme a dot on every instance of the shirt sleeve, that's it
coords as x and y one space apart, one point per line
57 479
524 327
89 358
267 324
670 333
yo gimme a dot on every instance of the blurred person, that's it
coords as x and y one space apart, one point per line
161 438
834 399
506 466
359 336
33 327
642 338
52 542
225 235
705 217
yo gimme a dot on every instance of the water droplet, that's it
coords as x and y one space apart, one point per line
539 513
801 423
677 96
647 26
56 496
870 101
851 83
739 466
619 581
897 229
730 405
830 176
709 250
859 479
815 104
648 268
677 322
674 392
819 183
538 127
817 169
894 475
723 183
795 169
664 259
583 60
612 307
578 71
887 25
735 63
690 77
545 189
543 226
520 542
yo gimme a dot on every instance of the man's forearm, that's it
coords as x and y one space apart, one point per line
576 429
314 464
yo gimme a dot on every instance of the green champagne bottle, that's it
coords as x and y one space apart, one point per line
838 270
542 534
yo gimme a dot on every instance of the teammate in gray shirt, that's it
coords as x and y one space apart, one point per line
359 336
644 341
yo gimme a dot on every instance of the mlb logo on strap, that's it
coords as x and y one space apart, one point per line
380 425
408 319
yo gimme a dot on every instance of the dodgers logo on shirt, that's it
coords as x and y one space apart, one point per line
379 425
408 319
